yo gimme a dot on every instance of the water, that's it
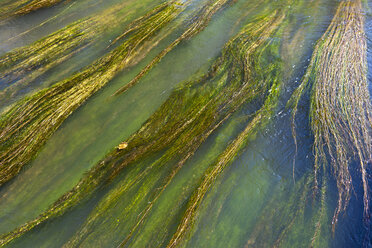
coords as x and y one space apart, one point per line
260 181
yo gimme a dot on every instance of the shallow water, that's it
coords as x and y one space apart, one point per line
258 182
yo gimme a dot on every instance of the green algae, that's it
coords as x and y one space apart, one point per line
56 48
259 43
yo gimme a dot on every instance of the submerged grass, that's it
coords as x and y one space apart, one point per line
252 46
249 70
244 72
340 110
27 125
22 66
196 25
23 7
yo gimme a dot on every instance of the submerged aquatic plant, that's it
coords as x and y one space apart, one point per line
56 48
22 66
253 43
242 73
23 7
340 110
199 22
248 73
28 124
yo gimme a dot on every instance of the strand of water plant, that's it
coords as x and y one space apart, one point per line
23 7
322 215
340 110
26 126
22 66
20 35
261 118
201 108
187 221
175 148
200 21
101 215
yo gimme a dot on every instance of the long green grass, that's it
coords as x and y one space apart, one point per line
29 123
340 109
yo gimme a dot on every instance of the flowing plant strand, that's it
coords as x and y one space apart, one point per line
287 209
22 66
198 23
26 126
47 21
24 7
92 219
192 146
340 110
189 115
283 209
258 40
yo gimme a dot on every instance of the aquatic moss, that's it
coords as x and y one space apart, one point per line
340 110
27 125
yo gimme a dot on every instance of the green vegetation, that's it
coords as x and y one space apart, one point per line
200 21
22 66
30 122
340 110
250 72
23 7
192 113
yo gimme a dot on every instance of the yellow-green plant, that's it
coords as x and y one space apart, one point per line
340 109
56 48
29 123
243 73
22 66
23 7
200 21
251 45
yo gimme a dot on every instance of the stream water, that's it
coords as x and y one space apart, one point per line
260 182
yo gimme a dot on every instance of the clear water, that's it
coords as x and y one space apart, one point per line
260 177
